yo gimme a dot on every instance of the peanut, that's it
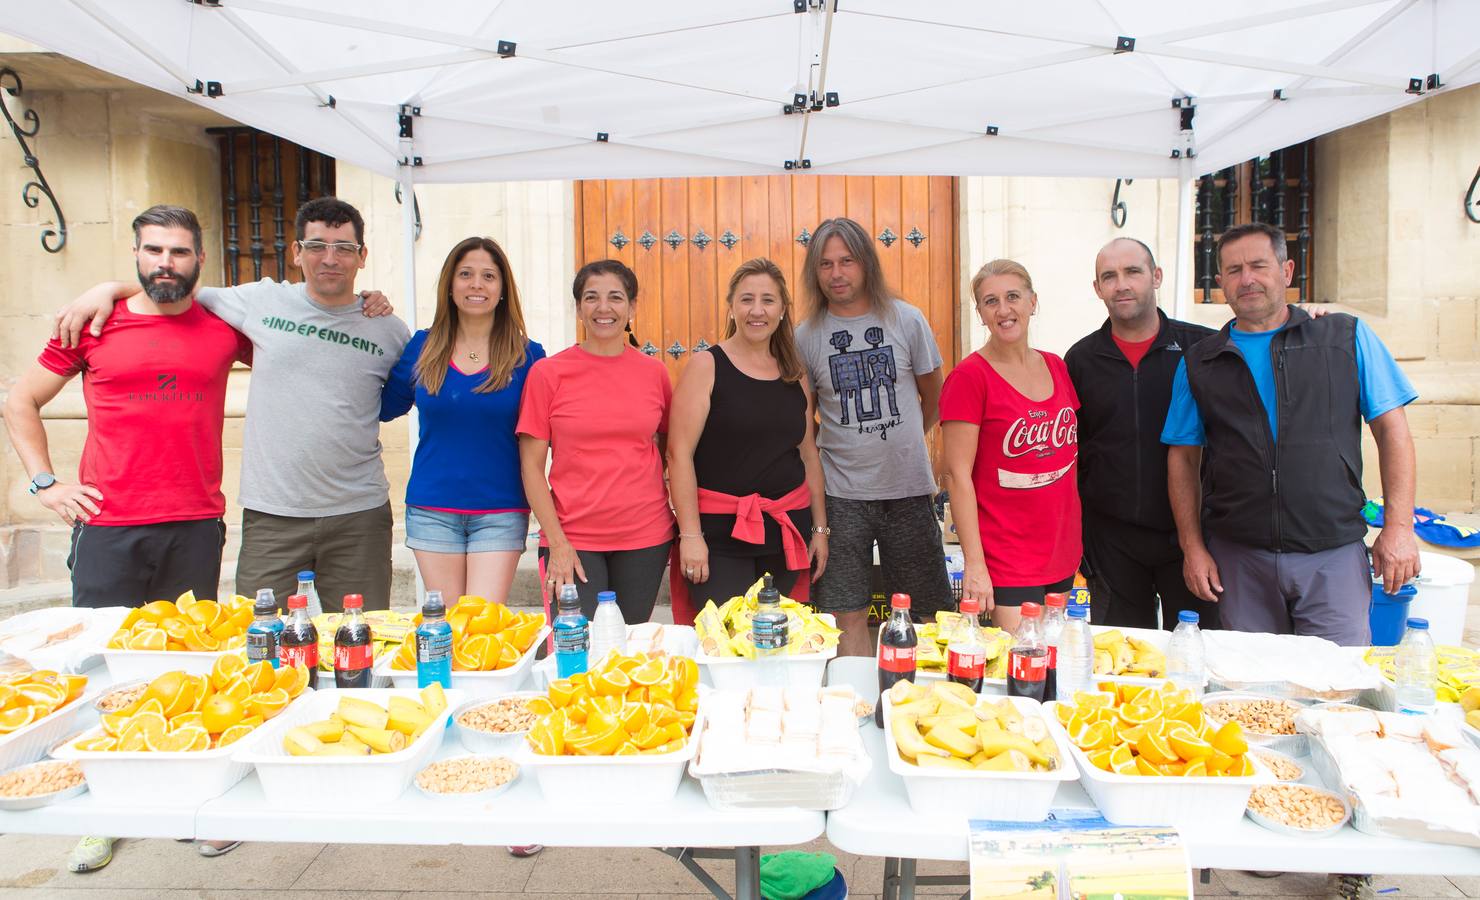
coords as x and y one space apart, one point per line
1257 716
467 775
42 778
117 700
507 716
1283 769
1297 806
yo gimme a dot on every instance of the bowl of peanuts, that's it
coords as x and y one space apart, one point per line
495 725
472 777
120 695
1282 767
40 784
1268 721
1299 809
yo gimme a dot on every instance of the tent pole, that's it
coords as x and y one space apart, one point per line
1182 275
408 268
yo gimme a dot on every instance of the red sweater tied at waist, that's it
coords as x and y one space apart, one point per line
750 525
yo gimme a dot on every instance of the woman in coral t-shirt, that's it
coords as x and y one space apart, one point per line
1008 413
598 412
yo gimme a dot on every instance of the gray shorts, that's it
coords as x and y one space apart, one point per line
1326 594
910 555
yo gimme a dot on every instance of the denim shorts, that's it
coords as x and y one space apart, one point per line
449 532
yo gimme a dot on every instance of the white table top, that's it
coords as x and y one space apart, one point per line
880 822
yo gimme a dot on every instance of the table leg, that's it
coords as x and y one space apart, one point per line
747 873
906 880
890 887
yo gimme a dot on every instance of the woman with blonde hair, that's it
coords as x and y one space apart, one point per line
467 520
743 469
1010 421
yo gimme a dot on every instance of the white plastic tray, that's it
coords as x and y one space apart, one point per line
608 780
26 745
800 670
129 665
1003 796
338 781
1190 804
475 684
162 779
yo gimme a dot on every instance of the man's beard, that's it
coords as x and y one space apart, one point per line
161 290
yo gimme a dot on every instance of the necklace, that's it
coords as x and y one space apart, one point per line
473 356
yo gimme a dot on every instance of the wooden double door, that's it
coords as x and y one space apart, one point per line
685 236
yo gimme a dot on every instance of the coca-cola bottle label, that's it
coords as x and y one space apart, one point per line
353 658
966 665
896 659
1028 668
306 655
1053 657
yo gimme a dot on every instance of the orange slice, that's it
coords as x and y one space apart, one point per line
1188 746
540 706
220 713
16 718
157 611
113 723
611 683
1196 769
1155 749
1122 762
1100 759
268 704
260 676
1099 736
292 679
562 692
685 673
1230 739
99 744
648 673
186 720
226 668
233 734
1145 768
192 738
152 639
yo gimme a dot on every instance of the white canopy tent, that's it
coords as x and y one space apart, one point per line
473 90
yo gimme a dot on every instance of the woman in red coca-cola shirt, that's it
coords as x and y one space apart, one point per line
1011 442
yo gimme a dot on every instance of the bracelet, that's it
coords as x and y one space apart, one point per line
682 535
822 530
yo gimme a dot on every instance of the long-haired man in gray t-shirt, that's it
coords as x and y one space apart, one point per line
313 488
876 374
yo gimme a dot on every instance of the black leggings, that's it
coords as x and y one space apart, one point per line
731 576
635 575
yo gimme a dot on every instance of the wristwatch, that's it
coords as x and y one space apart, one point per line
821 529
41 482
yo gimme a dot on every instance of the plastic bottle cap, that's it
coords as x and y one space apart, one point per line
606 597
353 601
1078 612
1188 615
1030 610
298 601
1055 600
969 607
305 575
1419 624
899 601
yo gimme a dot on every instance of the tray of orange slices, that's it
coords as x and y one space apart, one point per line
173 745
622 732
36 709
1149 756
184 634
493 648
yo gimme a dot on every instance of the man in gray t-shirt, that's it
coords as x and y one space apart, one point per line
313 488
876 375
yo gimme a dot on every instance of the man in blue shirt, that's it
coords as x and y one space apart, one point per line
1273 528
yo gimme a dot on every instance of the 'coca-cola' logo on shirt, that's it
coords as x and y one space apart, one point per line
1036 433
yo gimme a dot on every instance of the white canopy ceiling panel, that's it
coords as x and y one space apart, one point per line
521 89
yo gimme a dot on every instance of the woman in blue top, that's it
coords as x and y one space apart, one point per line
466 516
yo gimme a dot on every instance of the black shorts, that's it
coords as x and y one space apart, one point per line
130 565
1017 596
911 557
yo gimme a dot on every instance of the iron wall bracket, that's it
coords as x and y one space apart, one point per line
55 238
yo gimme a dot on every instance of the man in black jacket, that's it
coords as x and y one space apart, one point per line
1272 523
1123 375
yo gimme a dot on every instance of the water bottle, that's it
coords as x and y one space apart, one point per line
1076 669
307 589
434 644
608 628
770 631
1417 669
1185 654
266 629
572 635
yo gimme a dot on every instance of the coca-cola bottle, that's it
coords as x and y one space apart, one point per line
1053 627
354 654
897 642
1027 661
966 652
298 645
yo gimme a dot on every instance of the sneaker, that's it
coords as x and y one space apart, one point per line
526 851
1350 887
90 854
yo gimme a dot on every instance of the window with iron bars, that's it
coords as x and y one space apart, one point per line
1279 189
264 179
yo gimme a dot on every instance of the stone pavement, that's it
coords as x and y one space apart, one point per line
34 867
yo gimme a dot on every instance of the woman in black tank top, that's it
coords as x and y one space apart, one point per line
740 426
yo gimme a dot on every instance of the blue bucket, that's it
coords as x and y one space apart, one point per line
1388 614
